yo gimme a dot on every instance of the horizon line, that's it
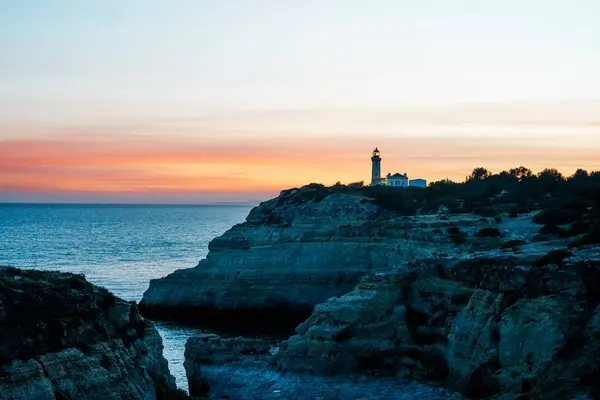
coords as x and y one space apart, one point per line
67 203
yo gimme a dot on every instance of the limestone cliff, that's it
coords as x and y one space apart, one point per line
488 307
293 253
492 324
63 338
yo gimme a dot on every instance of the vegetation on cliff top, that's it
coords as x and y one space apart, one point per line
42 311
570 205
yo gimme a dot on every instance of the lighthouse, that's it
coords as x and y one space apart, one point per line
376 168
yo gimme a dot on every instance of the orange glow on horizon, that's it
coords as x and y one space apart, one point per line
133 165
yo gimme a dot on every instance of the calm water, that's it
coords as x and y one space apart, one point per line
118 247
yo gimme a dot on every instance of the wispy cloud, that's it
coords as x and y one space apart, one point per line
130 166
187 157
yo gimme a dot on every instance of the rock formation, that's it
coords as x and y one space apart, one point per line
488 308
63 338
241 368
492 324
207 350
497 324
292 254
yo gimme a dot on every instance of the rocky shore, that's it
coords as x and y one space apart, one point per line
503 306
242 368
488 289
64 338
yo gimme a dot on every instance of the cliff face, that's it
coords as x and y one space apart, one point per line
292 254
492 324
486 307
63 338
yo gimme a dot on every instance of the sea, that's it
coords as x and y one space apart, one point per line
119 247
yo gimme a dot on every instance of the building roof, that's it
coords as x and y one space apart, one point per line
398 175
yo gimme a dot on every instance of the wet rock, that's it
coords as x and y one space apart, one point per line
210 350
240 368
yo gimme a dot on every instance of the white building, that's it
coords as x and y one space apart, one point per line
395 180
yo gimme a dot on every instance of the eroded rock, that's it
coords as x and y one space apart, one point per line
290 256
63 338
490 325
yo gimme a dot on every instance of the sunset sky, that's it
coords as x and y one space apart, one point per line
202 101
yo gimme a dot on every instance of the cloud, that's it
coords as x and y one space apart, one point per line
148 150
232 155
131 165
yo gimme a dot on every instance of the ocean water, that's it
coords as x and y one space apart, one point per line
120 247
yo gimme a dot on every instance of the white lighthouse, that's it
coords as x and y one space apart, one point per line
376 168
394 180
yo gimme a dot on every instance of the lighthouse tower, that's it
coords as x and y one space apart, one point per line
376 168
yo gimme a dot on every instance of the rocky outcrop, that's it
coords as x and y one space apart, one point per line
485 307
63 338
492 324
293 253
240 368
207 350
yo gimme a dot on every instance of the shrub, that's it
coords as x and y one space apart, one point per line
513 243
589 238
498 219
485 211
315 193
517 191
402 201
554 257
459 238
521 207
558 216
581 227
453 230
488 233
549 230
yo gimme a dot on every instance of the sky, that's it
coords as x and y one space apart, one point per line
198 101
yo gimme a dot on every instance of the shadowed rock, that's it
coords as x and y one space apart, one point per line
290 255
490 325
63 338
239 368
392 297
